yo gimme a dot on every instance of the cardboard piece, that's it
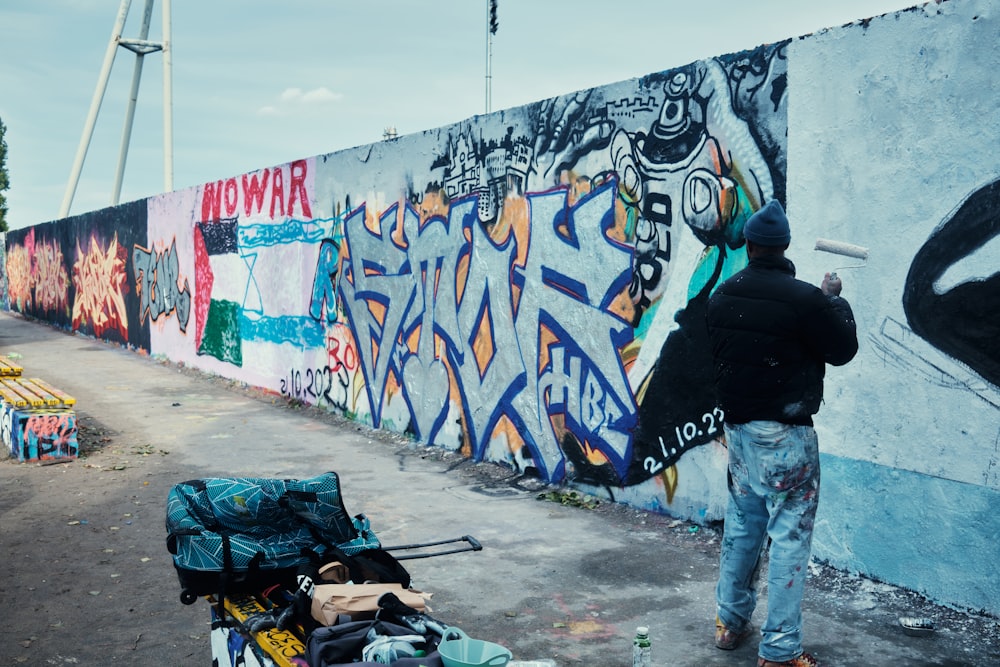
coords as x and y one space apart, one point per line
359 601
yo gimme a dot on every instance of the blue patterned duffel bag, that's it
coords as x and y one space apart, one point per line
244 534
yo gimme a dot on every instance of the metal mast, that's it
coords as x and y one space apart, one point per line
140 47
491 29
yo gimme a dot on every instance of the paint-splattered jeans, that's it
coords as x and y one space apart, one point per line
773 492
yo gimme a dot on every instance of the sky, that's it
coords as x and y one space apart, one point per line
257 83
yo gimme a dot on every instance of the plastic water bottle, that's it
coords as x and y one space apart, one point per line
641 648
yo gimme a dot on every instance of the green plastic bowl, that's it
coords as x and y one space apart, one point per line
458 650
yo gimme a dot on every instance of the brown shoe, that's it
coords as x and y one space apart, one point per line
804 660
727 639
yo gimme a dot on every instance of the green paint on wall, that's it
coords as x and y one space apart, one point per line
222 332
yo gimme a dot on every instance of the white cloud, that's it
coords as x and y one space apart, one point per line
321 95
295 98
314 96
290 94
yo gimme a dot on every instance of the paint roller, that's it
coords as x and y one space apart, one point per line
845 249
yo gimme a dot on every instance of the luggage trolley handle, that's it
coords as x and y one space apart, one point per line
473 545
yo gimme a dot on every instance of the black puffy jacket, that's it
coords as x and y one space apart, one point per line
772 336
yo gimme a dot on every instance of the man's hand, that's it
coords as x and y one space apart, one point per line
831 284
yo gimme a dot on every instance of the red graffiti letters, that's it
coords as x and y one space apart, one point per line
259 191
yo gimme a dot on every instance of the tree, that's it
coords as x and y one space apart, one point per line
4 181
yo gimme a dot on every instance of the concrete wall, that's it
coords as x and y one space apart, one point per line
529 286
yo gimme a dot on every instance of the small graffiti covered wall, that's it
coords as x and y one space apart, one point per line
38 434
529 286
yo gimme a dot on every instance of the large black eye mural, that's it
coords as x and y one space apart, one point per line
963 321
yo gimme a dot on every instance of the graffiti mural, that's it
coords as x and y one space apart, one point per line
588 228
20 283
99 276
697 167
161 289
241 221
557 232
431 311
75 273
964 321
49 277
533 293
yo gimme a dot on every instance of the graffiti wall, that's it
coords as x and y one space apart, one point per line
529 286
75 274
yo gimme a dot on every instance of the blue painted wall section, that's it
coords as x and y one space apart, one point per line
895 525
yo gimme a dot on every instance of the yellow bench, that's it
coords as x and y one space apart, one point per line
32 393
8 368
39 421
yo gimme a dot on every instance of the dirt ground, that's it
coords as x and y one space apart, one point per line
83 567
86 578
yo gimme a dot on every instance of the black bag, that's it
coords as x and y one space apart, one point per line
370 565
341 645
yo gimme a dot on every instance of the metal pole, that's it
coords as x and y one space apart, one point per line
130 108
95 106
489 54
168 103
489 76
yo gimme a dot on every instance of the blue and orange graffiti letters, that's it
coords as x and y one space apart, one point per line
409 286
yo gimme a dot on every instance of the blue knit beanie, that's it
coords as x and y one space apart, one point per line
768 226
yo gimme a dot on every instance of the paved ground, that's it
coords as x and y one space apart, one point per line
85 577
